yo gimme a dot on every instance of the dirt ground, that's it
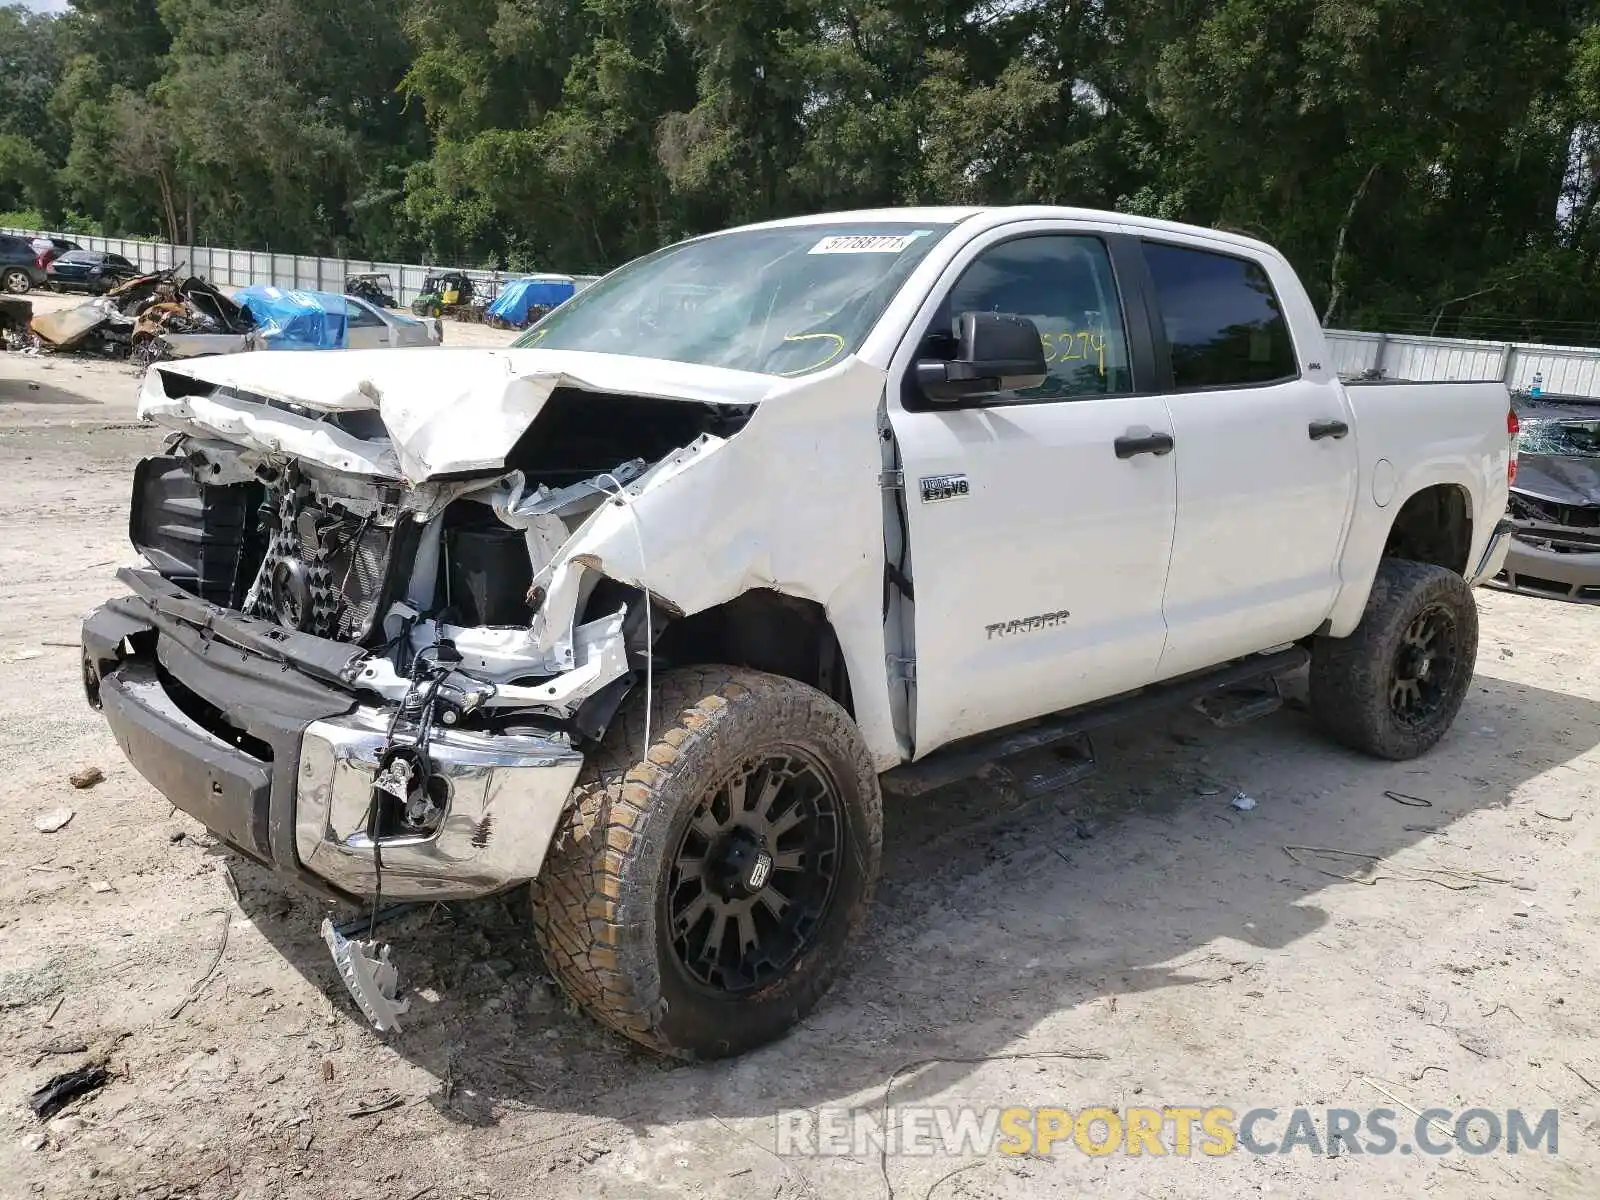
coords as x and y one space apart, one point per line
1133 938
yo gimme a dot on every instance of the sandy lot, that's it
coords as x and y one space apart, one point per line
1129 941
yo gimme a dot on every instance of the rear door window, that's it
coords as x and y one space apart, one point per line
1223 321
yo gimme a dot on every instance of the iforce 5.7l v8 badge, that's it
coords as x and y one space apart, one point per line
943 487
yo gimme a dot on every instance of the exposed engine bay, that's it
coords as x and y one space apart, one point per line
444 588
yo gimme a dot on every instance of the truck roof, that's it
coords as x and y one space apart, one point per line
992 215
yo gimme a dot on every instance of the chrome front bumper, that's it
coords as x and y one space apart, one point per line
506 795
279 764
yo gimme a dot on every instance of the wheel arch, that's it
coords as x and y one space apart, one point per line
762 629
1435 523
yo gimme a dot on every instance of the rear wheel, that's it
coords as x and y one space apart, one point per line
698 897
16 281
1394 686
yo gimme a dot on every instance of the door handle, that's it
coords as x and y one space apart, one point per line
1326 429
1132 443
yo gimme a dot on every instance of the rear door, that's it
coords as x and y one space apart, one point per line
1265 457
1038 554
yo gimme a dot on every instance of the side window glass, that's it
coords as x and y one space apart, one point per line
1065 285
1222 318
360 318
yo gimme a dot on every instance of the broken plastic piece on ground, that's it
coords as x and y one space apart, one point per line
61 1091
373 980
53 821
1242 802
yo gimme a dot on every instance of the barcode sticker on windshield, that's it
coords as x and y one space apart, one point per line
865 243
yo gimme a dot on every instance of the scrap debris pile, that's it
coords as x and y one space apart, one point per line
140 319
15 317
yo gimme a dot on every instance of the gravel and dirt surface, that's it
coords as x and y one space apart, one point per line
1131 940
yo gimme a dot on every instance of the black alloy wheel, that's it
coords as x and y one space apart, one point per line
754 873
1424 667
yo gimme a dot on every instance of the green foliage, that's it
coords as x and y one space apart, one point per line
1422 165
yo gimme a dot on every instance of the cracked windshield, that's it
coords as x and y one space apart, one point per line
776 301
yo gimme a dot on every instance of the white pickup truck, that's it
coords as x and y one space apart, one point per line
638 611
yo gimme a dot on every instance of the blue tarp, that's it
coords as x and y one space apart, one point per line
296 320
538 291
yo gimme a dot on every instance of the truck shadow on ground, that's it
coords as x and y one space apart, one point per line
18 391
993 915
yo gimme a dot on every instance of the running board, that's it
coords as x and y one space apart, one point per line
965 759
1236 705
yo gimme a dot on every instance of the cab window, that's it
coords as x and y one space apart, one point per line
1222 319
1065 285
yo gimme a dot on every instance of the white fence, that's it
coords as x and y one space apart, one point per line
1564 370
241 268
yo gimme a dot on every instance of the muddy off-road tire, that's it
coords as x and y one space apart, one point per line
756 811
1392 688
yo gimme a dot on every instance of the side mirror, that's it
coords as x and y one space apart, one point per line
995 352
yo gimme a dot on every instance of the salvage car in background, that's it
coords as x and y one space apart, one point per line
89 271
522 302
132 319
291 319
20 271
162 316
1555 500
47 249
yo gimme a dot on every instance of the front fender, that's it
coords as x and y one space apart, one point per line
790 503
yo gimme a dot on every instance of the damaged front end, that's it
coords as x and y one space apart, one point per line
1555 501
377 683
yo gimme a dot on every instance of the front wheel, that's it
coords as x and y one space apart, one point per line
1393 687
17 282
699 893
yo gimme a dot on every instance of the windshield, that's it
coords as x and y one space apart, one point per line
780 301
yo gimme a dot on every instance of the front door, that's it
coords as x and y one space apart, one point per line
364 329
1038 553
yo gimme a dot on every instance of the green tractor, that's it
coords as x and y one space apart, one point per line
447 294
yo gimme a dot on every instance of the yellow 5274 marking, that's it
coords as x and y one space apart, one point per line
1079 345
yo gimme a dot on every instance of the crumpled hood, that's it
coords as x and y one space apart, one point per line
1559 479
449 411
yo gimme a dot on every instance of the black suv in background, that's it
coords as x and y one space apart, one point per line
20 271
